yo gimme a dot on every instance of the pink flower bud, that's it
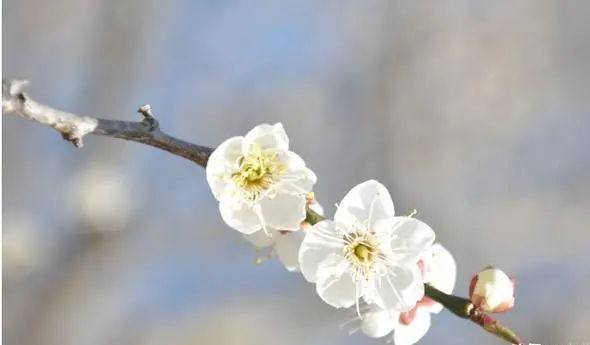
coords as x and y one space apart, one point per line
492 290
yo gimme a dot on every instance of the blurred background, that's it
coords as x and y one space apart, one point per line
473 112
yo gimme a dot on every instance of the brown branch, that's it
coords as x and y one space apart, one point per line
73 127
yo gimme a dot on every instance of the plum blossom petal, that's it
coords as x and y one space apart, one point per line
240 217
319 243
368 201
441 272
411 238
402 284
379 322
296 178
412 333
287 248
266 136
333 286
223 159
285 211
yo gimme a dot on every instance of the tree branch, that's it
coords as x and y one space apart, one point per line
73 127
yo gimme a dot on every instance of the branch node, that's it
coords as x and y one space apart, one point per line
146 111
74 139
148 117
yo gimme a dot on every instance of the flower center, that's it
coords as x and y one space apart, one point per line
361 252
257 172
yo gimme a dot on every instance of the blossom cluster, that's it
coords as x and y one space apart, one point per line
365 257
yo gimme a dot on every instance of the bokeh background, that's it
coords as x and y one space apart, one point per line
476 113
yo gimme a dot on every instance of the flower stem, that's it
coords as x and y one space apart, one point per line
457 305
461 307
492 326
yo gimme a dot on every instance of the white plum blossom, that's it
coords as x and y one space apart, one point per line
440 271
285 244
258 182
366 252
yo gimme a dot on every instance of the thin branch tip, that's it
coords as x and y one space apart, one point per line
14 87
76 141
148 117
146 111
74 127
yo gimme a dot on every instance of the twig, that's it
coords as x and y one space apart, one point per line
73 127
493 326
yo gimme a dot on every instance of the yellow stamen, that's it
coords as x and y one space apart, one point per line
361 251
310 198
257 172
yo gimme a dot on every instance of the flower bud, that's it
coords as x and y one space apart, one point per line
492 290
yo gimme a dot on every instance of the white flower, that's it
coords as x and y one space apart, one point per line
440 271
259 183
492 290
286 244
366 252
